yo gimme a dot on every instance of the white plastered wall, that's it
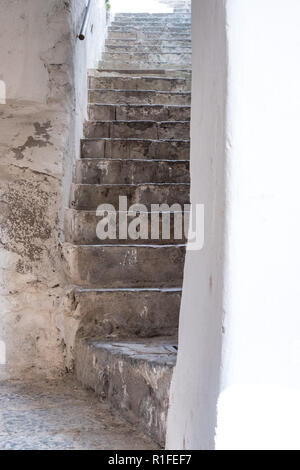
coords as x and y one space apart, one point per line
254 377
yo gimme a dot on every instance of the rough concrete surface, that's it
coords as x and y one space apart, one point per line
134 376
54 415
44 69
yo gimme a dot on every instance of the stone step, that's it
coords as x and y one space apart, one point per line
142 66
124 266
139 97
169 20
182 20
90 196
108 171
182 73
148 36
123 112
134 377
81 229
151 25
128 17
147 50
143 16
141 83
138 129
135 43
149 29
121 313
142 57
135 149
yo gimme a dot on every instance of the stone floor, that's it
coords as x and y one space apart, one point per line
62 416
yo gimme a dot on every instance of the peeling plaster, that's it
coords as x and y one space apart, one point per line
44 68
41 130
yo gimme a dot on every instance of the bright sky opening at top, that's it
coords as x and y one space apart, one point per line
139 6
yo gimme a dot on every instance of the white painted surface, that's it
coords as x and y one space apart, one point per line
259 388
195 386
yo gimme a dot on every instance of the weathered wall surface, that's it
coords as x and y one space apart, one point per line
44 69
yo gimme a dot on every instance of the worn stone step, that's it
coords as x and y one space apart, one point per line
172 58
134 377
135 149
124 266
182 73
141 83
165 229
139 97
147 15
142 66
153 35
108 112
89 196
169 20
127 313
156 25
108 171
135 43
128 15
150 29
138 129
165 25
142 49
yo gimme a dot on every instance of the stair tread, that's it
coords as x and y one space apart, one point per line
131 289
138 160
142 91
138 105
134 185
116 139
159 351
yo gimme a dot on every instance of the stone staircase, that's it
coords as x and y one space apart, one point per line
127 293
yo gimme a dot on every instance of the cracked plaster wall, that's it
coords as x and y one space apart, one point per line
44 68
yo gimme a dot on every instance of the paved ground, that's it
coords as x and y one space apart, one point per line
61 416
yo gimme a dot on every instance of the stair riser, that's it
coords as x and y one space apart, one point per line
157 84
139 97
143 16
130 314
124 267
89 197
141 66
135 113
141 49
148 36
130 172
150 29
138 129
147 44
175 21
144 58
81 226
140 392
135 149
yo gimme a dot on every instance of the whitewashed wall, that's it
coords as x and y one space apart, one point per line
195 386
244 298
